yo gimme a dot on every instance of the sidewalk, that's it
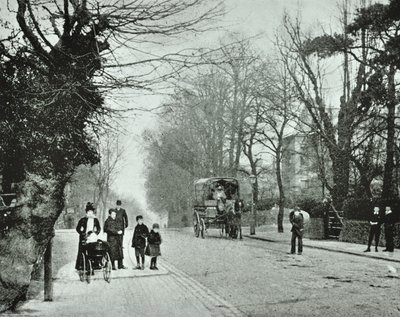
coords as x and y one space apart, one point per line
147 293
270 234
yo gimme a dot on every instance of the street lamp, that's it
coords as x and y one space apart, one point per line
253 180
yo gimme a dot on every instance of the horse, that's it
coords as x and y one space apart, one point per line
233 222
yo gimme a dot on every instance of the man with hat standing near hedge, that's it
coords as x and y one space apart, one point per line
122 223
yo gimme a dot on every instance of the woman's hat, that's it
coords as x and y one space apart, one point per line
156 225
89 206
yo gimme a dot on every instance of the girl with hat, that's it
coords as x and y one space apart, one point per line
153 246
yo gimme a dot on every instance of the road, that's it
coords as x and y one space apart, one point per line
221 277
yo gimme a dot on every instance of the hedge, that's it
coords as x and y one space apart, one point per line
357 231
361 209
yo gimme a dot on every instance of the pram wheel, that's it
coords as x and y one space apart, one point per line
106 263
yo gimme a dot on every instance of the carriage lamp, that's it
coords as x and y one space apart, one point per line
253 179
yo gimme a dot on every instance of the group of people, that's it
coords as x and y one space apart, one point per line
144 241
376 220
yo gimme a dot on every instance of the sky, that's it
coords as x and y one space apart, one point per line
251 18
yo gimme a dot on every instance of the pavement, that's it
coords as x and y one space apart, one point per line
172 292
270 233
166 292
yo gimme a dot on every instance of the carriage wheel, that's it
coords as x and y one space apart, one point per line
82 272
196 224
202 227
89 271
107 267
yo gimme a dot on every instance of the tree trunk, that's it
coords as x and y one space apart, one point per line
40 202
341 174
281 192
389 189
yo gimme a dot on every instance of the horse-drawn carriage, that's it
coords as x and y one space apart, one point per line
217 204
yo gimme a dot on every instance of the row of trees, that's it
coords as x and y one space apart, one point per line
58 59
222 119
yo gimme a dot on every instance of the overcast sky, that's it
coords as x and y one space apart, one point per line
249 17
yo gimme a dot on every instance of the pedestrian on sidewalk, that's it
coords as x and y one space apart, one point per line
153 246
88 228
374 229
297 221
122 222
114 237
139 241
389 220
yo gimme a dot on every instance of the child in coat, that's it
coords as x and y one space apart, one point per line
139 241
153 246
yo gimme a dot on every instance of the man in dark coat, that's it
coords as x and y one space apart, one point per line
139 241
374 229
297 221
122 223
389 220
114 237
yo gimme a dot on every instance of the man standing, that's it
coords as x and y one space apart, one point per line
297 221
220 197
389 227
122 223
374 230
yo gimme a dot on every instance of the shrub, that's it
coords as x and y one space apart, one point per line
319 210
266 204
307 203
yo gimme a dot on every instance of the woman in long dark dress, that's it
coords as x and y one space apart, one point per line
87 226
114 236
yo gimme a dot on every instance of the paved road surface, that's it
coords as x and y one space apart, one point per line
221 277
167 292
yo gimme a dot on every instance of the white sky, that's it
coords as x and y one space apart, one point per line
249 17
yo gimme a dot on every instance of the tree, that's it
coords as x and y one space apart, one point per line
298 52
239 67
104 173
278 103
54 72
382 22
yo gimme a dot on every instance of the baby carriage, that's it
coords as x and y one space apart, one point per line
95 256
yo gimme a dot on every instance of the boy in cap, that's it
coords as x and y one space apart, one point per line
139 241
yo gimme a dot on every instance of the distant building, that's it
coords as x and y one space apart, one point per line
299 167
